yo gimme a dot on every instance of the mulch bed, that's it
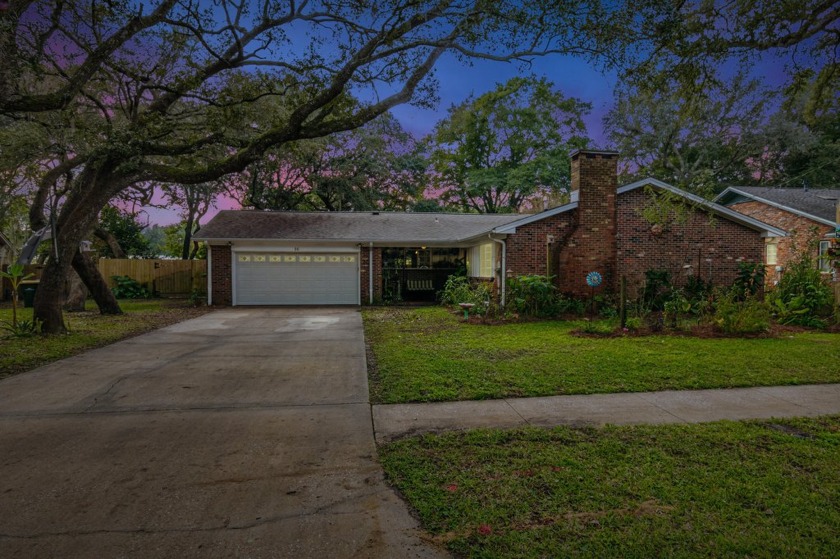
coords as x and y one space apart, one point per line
696 331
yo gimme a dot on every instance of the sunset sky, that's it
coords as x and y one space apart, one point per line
575 77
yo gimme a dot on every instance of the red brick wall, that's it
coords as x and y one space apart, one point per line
527 248
713 248
798 228
592 245
220 270
364 285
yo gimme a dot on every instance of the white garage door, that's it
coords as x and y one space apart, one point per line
296 278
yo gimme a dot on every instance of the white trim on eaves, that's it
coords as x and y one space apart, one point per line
510 228
738 217
732 189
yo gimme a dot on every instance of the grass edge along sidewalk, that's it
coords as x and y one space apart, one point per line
429 354
764 488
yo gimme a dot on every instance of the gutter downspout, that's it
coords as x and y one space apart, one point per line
370 272
503 274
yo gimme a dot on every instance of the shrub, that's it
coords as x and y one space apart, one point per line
657 289
128 288
570 305
676 305
633 323
459 289
597 327
749 280
533 295
748 316
801 296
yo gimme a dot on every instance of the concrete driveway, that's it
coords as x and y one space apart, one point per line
242 433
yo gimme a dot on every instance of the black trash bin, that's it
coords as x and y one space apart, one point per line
29 297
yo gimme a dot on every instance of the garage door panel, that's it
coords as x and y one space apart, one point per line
296 279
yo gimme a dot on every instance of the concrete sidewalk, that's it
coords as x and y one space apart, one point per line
672 406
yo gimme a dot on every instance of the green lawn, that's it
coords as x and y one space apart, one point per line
87 330
728 489
429 354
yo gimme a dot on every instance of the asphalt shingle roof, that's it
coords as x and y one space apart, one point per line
397 227
818 202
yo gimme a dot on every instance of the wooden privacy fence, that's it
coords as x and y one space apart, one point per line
163 277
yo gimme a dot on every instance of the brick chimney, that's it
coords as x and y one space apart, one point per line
592 246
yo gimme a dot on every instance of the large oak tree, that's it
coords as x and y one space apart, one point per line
170 91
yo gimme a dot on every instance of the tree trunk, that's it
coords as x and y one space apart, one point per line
111 241
75 293
48 298
188 231
96 284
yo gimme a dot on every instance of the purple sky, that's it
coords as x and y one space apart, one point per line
575 77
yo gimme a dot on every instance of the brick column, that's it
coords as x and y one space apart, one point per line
592 246
222 275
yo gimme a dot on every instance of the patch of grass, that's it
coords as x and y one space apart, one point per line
88 329
727 489
429 354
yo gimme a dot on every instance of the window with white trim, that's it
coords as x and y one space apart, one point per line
771 253
481 261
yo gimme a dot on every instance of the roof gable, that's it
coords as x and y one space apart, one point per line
814 204
717 209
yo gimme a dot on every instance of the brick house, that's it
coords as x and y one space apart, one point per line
287 258
798 212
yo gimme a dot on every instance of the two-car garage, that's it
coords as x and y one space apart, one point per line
295 278
260 257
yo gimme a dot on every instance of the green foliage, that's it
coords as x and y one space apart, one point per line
128 288
678 304
686 132
750 279
633 323
801 296
697 291
570 305
15 275
533 295
127 231
724 489
607 306
88 330
664 208
803 141
378 166
459 289
734 315
22 328
496 150
197 298
597 327
430 354
657 289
